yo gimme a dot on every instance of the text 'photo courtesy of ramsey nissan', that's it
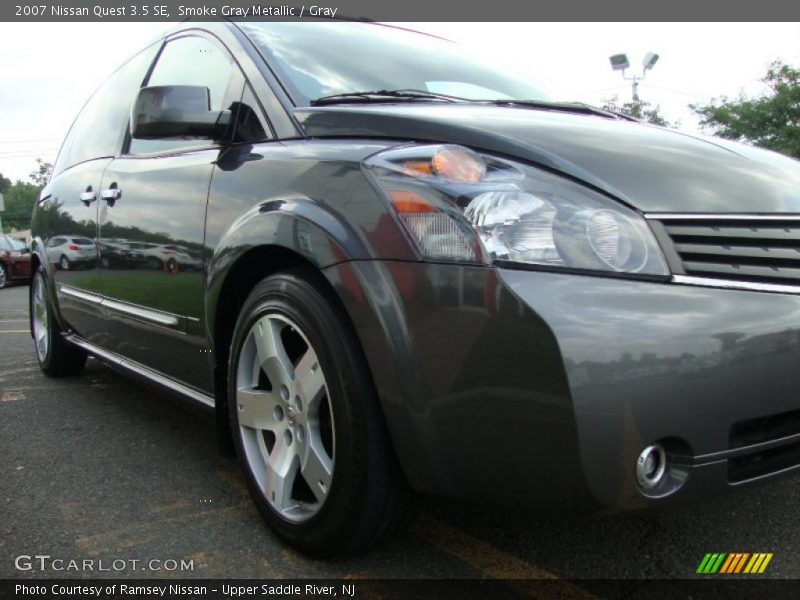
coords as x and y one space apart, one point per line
324 301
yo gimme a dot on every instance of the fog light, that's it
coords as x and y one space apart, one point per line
651 466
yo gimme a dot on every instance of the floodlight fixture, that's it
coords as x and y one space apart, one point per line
650 60
619 62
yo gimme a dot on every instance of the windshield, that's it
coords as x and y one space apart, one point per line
317 59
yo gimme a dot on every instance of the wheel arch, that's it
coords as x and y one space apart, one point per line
39 259
274 235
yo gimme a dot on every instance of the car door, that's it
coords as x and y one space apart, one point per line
6 261
19 258
68 205
154 197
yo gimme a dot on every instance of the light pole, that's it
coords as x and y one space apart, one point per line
619 62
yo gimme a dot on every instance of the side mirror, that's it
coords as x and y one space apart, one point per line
177 111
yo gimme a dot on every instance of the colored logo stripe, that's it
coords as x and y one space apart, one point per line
711 562
733 563
758 563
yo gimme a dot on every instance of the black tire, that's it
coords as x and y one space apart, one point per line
64 263
61 359
3 276
368 493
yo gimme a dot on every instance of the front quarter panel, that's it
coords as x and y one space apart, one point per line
307 197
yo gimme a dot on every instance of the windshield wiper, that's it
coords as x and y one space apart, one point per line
574 107
411 95
385 96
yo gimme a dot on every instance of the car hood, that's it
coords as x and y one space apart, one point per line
651 168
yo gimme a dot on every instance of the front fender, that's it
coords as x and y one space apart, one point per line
294 223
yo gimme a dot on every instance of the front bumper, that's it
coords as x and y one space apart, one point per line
529 387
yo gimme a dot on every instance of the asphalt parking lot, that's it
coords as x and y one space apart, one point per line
97 466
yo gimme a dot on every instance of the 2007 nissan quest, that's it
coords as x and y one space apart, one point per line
389 267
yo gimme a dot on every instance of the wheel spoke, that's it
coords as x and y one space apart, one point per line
257 409
271 353
309 380
282 468
317 469
288 407
40 331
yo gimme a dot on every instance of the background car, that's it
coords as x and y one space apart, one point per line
15 260
69 252
186 257
119 254
160 257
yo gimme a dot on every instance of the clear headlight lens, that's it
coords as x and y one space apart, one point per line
459 205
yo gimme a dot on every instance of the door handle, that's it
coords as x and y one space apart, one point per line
112 194
88 196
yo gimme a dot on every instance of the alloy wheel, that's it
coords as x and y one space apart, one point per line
3 277
285 417
40 318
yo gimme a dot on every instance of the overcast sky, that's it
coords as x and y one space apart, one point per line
48 70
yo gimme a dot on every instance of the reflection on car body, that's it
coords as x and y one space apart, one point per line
68 252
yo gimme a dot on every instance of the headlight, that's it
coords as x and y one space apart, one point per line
463 206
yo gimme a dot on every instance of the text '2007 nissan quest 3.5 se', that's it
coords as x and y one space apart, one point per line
391 268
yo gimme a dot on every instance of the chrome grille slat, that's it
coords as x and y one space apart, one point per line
760 232
748 272
718 250
751 250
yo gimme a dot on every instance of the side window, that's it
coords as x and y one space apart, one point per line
4 245
193 61
99 129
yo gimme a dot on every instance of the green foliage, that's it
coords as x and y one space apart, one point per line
51 220
20 198
638 109
770 121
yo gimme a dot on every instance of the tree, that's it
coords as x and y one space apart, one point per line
770 121
638 109
42 173
20 197
19 201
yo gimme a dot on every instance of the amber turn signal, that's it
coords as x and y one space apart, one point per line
452 164
405 202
